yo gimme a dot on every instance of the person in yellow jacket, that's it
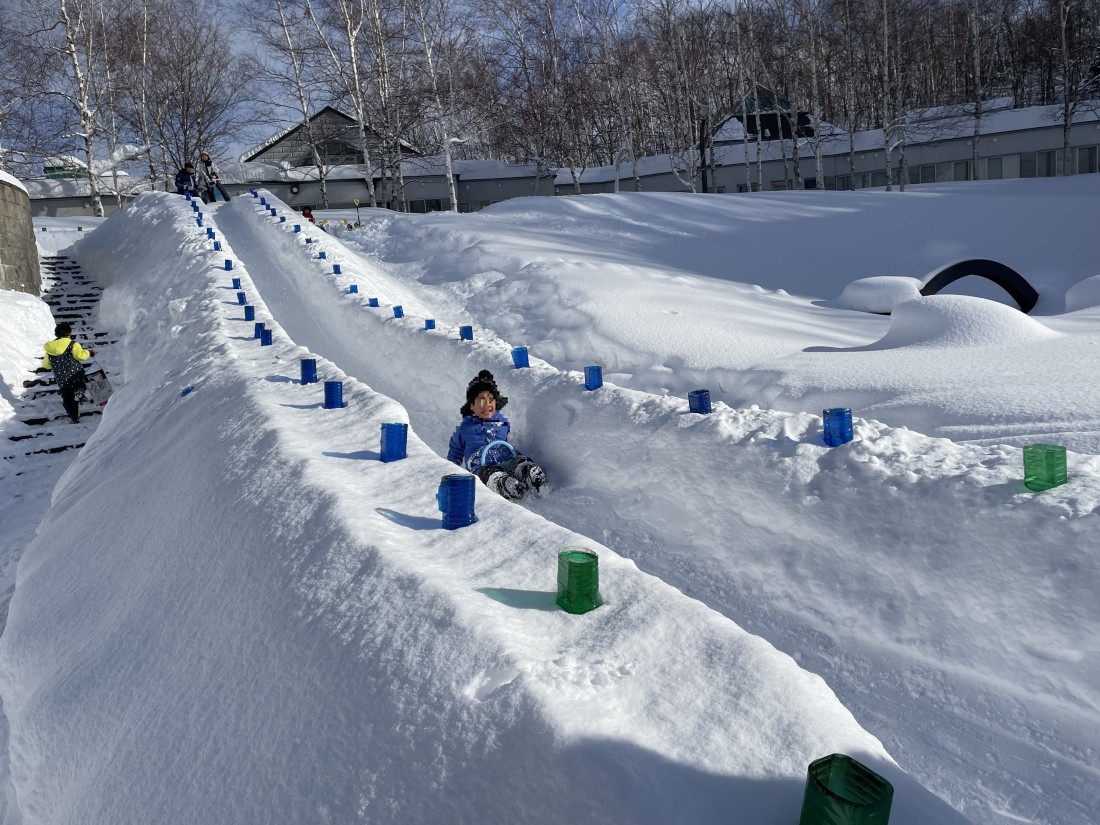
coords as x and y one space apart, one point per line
64 356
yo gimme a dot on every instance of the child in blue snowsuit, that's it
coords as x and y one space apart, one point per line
480 443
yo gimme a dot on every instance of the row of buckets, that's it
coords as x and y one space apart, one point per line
839 790
578 569
1044 464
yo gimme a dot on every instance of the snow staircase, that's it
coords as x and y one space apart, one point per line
46 428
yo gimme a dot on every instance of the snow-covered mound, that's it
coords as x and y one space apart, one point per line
256 597
879 294
27 324
1084 294
235 613
960 321
672 293
747 510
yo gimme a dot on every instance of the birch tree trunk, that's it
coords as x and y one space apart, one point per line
75 25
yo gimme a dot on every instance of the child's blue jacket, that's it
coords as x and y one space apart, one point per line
471 435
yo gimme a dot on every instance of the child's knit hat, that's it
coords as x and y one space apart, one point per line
484 382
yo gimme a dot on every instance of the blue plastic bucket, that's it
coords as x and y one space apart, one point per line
593 378
466 333
249 312
519 357
265 338
456 500
394 441
398 312
309 370
699 401
838 425
334 395
429 323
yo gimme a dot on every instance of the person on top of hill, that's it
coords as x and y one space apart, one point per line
480 443
64 356
186 181
210 180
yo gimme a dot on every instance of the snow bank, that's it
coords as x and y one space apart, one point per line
26 320
880 294
257 621
1084 294
958 321
855 560
671 293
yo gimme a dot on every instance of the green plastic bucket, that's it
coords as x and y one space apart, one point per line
841 791
578 580
1044 466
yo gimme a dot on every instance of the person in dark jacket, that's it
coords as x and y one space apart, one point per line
186 181
480 443
210 180
64 356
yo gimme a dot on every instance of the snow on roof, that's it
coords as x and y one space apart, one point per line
41 188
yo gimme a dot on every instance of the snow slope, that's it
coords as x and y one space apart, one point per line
276 599
670 293
233 613
749 512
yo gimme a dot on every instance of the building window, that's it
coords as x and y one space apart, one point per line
878 178
994 168
1087 160
926 173
1046 164
843 183
960 170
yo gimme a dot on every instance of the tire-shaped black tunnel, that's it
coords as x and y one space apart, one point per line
1008 279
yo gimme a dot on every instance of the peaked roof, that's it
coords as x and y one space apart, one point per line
271 141
285 133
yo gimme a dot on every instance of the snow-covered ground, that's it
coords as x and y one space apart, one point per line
234 612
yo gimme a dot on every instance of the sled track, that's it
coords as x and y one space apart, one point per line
647 524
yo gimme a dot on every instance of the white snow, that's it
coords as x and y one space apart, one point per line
879 294
13 181
232 611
